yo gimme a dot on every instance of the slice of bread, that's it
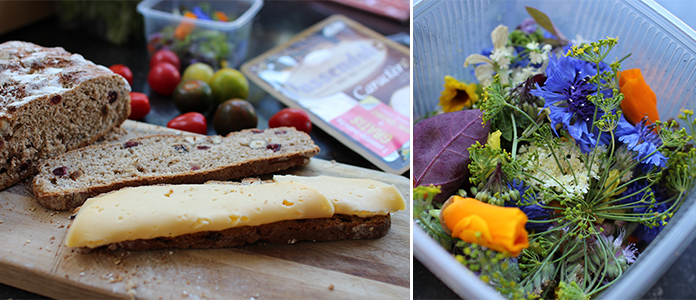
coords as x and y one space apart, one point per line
338 227
66 181
52 101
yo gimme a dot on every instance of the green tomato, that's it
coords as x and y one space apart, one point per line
229 84
193 95
234 115
198 71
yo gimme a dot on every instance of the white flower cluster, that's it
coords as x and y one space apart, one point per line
536 55
498 62
565 173
502 56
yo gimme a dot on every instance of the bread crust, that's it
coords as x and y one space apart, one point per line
338 227
55 192
52 101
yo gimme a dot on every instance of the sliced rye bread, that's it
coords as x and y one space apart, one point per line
338 227
66 181
52 101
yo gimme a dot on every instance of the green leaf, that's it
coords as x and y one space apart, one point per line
505 126
544 21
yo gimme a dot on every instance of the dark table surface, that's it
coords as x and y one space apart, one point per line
277 22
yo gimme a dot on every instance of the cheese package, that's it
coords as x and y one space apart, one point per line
353 82
147 212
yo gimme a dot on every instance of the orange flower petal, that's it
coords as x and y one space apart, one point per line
221 16
185 27
498 228
639 100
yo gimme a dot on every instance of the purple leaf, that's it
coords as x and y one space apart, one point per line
440 146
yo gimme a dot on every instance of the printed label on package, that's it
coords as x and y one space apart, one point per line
356 83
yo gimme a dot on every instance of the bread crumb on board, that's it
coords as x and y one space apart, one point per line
331 287
131 289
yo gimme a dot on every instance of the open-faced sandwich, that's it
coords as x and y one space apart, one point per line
287 210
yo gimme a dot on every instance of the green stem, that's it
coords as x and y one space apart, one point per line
514 136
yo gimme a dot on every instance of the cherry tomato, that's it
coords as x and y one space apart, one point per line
140 106
234 115
163 78
191 122
293 117
165 55
123 71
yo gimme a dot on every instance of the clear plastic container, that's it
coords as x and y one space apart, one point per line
216 43
662 46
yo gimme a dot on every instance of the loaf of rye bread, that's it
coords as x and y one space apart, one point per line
66 181
338 227
51 102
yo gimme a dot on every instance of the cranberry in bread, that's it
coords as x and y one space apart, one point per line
52 101
67 180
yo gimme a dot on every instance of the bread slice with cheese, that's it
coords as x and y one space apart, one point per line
66 181
288 210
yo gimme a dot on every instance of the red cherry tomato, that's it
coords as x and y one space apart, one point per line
293 117
165 55
140 106
163 78
123 71
191 122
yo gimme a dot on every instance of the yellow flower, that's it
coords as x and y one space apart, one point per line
457 95
494 139
498 228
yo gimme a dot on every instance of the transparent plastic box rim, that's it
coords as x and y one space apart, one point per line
662 46
146 8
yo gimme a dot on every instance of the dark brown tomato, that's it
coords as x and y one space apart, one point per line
193 95
234 115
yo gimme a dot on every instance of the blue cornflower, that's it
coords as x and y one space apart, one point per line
200 14
565 95
533 211
642 140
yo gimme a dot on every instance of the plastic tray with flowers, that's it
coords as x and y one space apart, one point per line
547 177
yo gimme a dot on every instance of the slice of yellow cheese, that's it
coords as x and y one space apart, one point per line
360 197
148 212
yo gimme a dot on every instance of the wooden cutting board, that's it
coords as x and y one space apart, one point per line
33 257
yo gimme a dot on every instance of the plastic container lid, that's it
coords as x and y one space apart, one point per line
146 8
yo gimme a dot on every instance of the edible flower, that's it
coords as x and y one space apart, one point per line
641 139
639 100
498 228
185 27
565 92
494 139
220 16
200 14
457 95
497 62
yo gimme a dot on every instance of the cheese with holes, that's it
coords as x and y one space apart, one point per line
360 197
148 212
